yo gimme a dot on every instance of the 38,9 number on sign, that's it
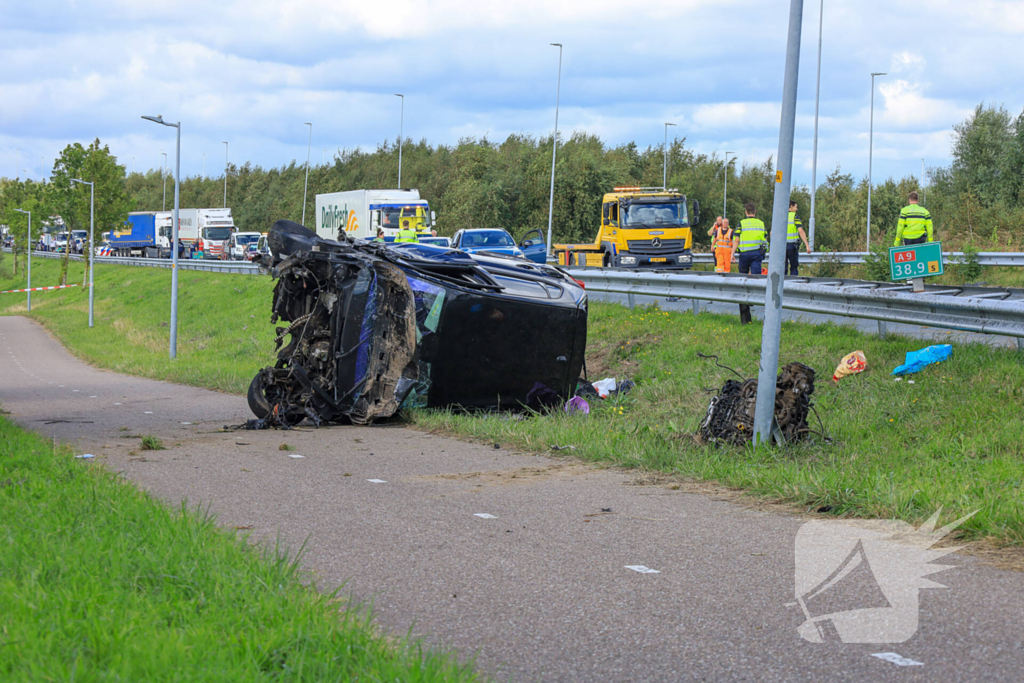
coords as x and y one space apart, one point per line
912 269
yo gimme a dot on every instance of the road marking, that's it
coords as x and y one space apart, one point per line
896 659
484 515
642 569
295 455
376 481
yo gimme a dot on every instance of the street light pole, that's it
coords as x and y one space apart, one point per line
174 229
764 409
922 183
17 162
401 134
871 150
725 190
309 146
817 97
163 175
225 173
204 165
554 146
664 164
92 218
28 303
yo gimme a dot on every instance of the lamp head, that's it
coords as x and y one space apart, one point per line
155 119
556 45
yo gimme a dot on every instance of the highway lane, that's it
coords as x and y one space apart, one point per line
539 587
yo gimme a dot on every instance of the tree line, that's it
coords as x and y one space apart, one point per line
977 201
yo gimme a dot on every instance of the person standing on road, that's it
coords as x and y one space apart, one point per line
750 242
721 241
406 233
380 235
915 226
794 235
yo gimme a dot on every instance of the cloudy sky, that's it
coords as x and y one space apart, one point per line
252 71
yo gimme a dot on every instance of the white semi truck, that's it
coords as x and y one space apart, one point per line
359 213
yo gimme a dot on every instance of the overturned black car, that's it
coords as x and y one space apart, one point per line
373 328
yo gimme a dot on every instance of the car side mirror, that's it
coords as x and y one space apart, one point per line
696 213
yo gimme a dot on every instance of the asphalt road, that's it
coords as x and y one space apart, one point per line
539 591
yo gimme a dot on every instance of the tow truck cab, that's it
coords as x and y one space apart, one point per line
640 228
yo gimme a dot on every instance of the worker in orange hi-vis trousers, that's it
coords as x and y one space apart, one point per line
721 241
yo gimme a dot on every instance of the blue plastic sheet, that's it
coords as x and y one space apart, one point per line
916 360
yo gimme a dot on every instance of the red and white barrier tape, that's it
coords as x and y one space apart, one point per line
36 289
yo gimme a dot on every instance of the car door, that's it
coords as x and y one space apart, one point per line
534 247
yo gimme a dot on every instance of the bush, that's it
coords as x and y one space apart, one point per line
876 264
829 265
967 268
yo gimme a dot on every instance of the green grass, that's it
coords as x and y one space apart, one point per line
951 439
152 443
99 582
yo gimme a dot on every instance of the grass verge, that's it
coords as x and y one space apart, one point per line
100 582
950 439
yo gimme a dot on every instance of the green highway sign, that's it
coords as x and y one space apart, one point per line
915 260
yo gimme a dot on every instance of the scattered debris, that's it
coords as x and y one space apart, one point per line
497 446
605 386
896 659
376 481
86 456
851 364
286 447
484 515
916 360
295 455
730 415
642 569
372 328
563 448
577 405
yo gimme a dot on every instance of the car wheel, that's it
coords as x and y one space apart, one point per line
258 403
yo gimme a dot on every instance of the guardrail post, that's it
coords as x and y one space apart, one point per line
1020 343
883 329
631 299
696 307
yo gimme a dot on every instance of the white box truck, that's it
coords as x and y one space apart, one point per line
188 224
215 227
358 213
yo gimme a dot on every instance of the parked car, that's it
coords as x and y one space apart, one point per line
436 241
493 240
103 249
372 327
258 250
534 246
238 243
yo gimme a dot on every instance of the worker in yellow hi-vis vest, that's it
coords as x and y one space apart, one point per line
915 226
794 234
750 243
406 233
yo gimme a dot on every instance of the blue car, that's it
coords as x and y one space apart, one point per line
498 241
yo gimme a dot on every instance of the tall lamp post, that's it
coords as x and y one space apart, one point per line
28 303
664 163
163 175
401 134
174 229
225 173
309 146
814 154
764 408
922 183
725 187
871 150
92 218
554 146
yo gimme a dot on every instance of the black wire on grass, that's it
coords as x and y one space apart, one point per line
724 367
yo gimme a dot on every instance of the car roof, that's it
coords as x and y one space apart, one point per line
485 230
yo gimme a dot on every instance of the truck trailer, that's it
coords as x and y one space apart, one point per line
139 236
359 213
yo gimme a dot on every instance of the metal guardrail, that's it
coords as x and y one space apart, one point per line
987 310
235 267
985 258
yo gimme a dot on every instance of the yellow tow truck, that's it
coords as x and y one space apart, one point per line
641 227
